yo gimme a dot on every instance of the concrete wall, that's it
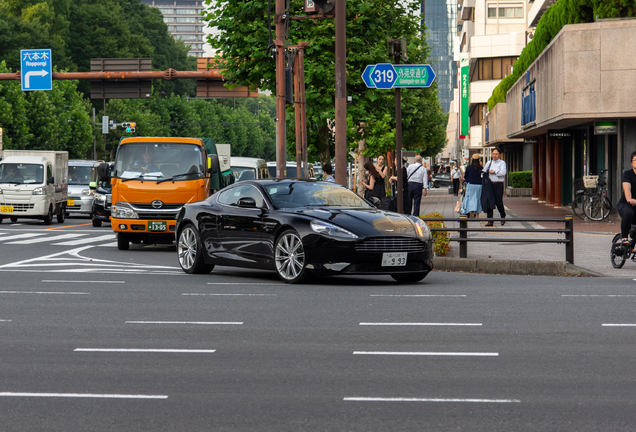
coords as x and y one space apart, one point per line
527 157
586 73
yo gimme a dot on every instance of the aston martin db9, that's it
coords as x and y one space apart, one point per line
298 228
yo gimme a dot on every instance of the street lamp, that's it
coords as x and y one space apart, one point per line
258 110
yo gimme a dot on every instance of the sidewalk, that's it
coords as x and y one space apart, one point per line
592 239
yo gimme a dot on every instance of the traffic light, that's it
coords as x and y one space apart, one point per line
325 6
129 126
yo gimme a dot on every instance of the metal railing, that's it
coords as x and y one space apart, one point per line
463 230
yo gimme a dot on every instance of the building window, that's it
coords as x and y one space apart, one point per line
187 20
511 12
188 37
166 11
492 12
477 114
187 11
186 28
168 20
493 68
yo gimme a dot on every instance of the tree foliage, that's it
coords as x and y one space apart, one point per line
243 39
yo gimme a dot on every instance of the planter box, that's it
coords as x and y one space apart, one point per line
515 192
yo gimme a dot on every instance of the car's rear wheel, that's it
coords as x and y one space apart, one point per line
190 252
123 243
409 278
291 264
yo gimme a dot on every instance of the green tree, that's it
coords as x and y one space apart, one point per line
243 38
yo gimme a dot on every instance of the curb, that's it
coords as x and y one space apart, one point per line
511 267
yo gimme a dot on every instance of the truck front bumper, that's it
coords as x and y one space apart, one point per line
146 231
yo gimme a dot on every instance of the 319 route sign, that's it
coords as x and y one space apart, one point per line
387 76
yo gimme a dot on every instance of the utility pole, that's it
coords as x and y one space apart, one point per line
281 138
299 109
341 92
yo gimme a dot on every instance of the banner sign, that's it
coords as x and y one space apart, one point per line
464 117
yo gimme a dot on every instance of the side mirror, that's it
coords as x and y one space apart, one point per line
247 202
51 180
92 185
213 164
375 201
103 172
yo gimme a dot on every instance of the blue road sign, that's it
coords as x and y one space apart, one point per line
387 76
36 69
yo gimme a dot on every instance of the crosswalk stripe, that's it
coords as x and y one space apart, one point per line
45 239
21 236
86 240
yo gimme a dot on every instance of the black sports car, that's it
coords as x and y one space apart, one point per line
297 227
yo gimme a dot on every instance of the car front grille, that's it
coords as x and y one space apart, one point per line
391 244
20 207
164 207
166 215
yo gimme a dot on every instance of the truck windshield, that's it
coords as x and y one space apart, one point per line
21 173
243 173
159 161
80 175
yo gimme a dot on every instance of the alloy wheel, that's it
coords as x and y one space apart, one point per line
290 257
187 248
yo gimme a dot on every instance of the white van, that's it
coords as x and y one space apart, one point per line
82 182
245 168
290 170
33 184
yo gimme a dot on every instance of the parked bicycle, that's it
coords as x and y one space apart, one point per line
621 252
590 198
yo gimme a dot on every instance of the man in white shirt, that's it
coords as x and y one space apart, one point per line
456 175
497 170
417 177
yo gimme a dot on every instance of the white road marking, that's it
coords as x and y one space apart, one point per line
420 324
82 281
3 320
83 395
247 295
185 322
45 292
20 236
45 239
141 350
242 283
598 295
619 325
377 399
83 241
464 354
418 295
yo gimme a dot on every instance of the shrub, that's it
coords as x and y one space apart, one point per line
520 179
441 241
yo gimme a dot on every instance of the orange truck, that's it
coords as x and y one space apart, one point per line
153 177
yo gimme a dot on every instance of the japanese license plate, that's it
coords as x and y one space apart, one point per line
6 209
70 203
158 226
394 259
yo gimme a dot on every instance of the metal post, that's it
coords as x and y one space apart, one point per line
281 153
398 142
341 93
300 172
303 112
569 238
463 246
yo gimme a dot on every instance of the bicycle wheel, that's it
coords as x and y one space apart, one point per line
618 252
607 207
577 205
594 208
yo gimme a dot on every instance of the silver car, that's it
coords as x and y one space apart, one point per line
82 182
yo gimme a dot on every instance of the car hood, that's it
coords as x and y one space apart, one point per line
363 221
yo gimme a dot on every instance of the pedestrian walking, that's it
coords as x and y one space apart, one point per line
327 169
374 185
496 170
471 206
417 177
405 189
456 175
627 204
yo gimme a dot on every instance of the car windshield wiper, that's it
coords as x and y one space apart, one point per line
176 175
140 176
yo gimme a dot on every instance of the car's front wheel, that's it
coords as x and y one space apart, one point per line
190 252
291 264
409 278
97 223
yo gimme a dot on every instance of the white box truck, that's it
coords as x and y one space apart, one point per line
33 185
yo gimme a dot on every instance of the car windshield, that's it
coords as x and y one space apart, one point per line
243 173
81 175
159 161
21 173
301 194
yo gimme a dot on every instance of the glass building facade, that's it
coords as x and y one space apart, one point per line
440 17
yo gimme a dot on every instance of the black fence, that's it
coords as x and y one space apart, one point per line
567 230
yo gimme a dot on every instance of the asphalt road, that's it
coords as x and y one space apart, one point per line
92 338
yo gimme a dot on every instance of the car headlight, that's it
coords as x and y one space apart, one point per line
123 211
421 228
100 197
87 192
39 191
331 230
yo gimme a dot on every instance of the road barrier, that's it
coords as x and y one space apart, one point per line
463 230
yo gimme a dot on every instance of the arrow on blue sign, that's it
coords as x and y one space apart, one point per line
366 76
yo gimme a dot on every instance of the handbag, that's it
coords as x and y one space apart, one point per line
458 206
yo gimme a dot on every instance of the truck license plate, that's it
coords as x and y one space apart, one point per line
158 226
70 203
394 259
6 209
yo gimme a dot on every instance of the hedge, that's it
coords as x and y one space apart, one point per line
520 179
552 21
